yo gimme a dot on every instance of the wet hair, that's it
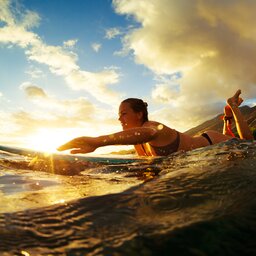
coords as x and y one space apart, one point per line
138 105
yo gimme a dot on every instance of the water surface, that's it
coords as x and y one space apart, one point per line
195 203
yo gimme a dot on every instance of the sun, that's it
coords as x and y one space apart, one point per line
47 140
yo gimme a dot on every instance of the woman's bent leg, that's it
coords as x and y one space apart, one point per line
241 124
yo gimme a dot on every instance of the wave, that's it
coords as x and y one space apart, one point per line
200 202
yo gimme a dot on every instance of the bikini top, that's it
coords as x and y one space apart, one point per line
167 149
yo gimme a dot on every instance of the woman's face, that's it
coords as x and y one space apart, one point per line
128 117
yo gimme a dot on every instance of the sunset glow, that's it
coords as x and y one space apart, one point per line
47 140
71 67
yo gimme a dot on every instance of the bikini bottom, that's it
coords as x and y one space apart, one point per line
205 135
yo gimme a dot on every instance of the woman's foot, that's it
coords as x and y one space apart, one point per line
235 100
241 124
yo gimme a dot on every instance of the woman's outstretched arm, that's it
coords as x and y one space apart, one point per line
129 137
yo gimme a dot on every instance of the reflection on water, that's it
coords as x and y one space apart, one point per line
195 203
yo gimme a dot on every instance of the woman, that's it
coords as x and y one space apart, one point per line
151 138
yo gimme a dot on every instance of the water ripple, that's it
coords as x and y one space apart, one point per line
201 203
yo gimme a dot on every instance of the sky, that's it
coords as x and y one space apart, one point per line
66 65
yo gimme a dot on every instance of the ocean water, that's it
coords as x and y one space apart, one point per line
201 202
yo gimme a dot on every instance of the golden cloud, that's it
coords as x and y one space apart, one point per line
212 44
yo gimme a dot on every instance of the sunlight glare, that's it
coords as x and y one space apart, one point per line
47 140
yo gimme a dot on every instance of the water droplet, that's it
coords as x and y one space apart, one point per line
160 127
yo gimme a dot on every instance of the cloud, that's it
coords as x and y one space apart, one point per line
35 72
7 127
212 44
63 63
11 14
82 79
112 33
30 20
75 110
18 36
60 60
16 25
166 89
96 47
5 14
32 91
164 94
44 111
47 115
70 43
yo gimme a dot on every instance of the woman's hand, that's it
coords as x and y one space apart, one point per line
80 145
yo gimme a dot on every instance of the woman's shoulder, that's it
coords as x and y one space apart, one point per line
151 124
157 125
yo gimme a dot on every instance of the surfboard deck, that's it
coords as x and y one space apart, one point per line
70 158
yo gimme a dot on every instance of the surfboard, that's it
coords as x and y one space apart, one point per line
71 158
